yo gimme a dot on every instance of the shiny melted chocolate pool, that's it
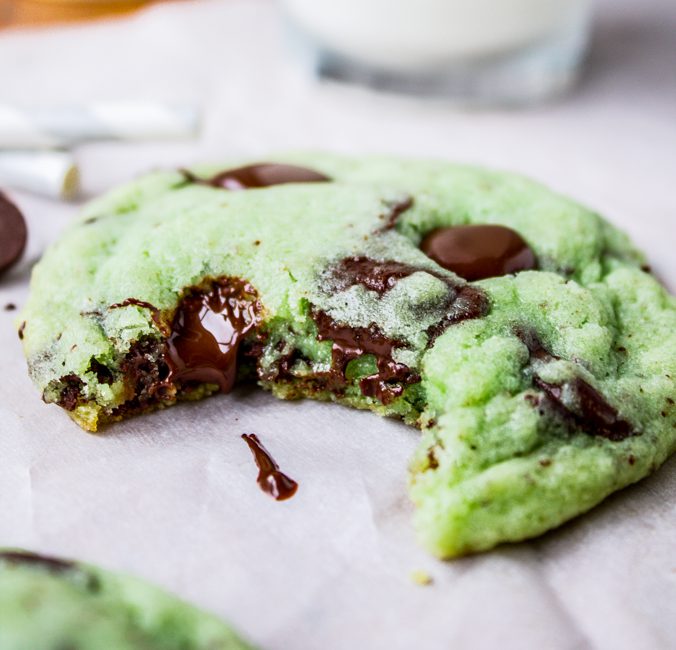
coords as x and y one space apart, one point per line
207 331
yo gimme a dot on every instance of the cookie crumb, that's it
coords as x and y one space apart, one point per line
421 577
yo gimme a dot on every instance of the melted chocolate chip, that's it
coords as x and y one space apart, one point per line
397 208
531 340
71 391
467 303
589 411
208 328
103 374
259 175
13 233
352 342
154 311
476 252
270 479
378 276
464 301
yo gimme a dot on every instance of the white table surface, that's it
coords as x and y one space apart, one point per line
172 496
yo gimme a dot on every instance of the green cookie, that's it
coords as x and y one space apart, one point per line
52 604
532 349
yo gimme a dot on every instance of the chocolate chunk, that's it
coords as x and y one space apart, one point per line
591 412
378 276
352 342
51 564
270 479
146 373
208 328
464 301
260 175
397 208
478 251
154 311
531 340
103 374
71 391
13 233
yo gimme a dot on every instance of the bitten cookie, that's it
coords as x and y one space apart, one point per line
517 329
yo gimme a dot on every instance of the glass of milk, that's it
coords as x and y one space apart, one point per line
474 51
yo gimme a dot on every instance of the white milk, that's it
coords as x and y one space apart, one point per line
410 35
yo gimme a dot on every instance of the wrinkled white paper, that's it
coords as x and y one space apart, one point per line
172 497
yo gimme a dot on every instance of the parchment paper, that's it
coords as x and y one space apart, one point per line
172 497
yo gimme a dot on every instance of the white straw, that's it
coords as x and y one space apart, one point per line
43 128
49 173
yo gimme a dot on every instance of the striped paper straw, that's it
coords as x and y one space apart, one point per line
41 128
49 173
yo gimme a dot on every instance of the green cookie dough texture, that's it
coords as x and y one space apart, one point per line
53 604
534 406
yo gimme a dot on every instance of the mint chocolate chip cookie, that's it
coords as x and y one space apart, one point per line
53 604
517 329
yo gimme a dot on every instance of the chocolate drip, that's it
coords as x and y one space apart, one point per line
207 331
259 175
270 479
13 233
351 343
477 252
590 411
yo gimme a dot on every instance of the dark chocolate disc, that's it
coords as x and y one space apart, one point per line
264 175
13 233
478 251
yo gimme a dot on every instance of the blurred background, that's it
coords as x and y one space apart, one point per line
579 94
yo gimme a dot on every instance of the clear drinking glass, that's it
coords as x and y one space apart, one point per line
473 51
